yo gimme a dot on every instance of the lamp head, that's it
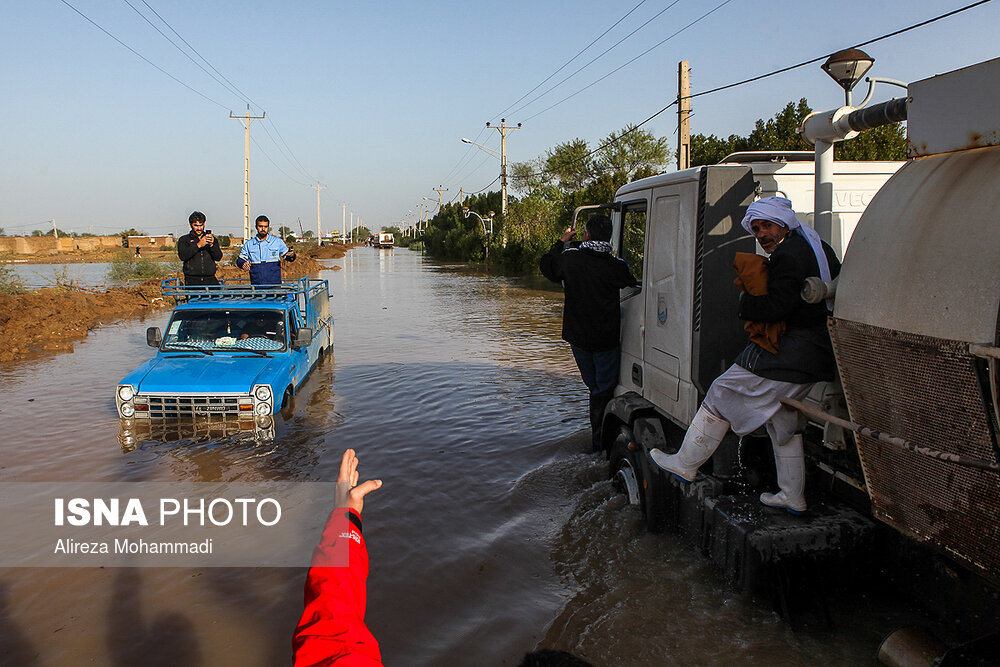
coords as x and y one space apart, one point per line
848 66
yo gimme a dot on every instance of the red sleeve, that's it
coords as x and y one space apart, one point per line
332 628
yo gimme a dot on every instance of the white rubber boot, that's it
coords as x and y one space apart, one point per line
790 464
700 442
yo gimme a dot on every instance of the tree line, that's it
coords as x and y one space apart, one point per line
573 174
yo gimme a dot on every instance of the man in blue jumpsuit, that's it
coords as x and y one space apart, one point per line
262 255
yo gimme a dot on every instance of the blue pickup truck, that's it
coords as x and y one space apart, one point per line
236 352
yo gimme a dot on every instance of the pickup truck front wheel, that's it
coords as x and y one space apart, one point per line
287 403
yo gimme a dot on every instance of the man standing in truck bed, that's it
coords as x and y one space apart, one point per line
199 252
592 277
261 255
747 396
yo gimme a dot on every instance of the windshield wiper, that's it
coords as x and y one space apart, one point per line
246 349
182 346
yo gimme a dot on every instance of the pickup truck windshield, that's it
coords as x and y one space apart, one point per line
247 330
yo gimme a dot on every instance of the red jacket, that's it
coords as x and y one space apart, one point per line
332 628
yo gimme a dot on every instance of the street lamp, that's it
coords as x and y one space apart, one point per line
488 150
468 212
846 67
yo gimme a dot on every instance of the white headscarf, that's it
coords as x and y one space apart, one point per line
779 211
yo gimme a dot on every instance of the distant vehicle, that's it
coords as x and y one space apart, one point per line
236 352
385 240
331 238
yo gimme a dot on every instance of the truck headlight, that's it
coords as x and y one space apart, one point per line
263 409
262 393
127 410
126 392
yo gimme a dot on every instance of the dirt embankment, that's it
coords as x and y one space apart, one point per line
52 319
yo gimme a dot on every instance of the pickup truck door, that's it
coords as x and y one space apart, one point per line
300 356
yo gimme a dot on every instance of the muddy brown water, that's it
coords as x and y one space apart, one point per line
495 531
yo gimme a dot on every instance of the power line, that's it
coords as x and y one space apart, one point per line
856 46
182 51
595 59
770 74
144 58
239 92
629 62
276 164
579 53
222 80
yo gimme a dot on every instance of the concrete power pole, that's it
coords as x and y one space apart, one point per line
503 130
439 190
683 115
246 119
319 225
343 223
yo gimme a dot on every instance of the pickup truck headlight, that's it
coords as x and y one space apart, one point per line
262 393
127 410
126 392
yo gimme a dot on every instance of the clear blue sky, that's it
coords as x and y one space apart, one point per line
372 98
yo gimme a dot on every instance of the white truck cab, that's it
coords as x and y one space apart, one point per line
678 232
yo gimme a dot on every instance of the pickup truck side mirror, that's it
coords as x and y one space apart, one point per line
303 339
153 337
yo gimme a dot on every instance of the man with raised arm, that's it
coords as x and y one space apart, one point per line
591 276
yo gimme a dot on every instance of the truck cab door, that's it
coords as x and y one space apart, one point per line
629 238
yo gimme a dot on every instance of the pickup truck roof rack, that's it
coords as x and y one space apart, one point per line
241 289
312 296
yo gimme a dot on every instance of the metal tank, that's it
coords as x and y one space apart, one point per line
916 326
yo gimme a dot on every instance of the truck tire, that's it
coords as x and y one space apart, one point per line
287 403
625 468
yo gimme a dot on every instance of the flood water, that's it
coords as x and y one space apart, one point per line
495 530
35 276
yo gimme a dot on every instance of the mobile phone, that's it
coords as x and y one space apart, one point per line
207 232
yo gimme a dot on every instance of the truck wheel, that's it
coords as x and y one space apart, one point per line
625 470
287 403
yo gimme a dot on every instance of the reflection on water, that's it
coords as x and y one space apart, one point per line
494 531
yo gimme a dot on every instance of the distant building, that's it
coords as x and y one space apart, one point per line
150 241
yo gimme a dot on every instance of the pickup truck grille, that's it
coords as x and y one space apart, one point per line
191 406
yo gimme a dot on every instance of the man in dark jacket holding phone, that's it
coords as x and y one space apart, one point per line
591 276
199 250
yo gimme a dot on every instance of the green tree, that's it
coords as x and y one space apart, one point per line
361 233
781 133
631 151
887 142
131 232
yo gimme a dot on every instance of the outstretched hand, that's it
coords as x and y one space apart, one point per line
353 495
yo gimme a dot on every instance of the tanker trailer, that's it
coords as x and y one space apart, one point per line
916 324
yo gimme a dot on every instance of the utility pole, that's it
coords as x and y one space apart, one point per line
246 119
343 223
319 225
683 115
55 232
439 190
503 130
461 195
